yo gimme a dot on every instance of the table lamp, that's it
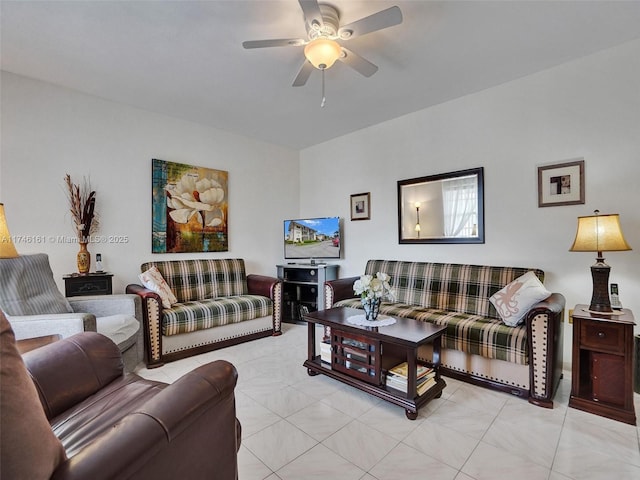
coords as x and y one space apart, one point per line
600 233
7 248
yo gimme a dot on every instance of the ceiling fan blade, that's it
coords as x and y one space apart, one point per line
303 74
312 13
278 42
383 19
359 64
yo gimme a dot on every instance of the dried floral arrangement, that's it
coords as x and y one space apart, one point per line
82 202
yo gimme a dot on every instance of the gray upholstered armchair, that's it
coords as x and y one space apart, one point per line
35 307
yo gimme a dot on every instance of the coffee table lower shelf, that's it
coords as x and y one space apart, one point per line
411 406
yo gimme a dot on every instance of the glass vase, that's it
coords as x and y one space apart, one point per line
371 308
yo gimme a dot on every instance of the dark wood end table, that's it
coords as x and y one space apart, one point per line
602 364
362 356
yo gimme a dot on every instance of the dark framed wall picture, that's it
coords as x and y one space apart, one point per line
361 206
561 184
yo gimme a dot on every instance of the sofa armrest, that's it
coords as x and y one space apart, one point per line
63 324
545 326
69 370
142 292
270 287
107 305
151 305
554 304
340 289
188 430
262 285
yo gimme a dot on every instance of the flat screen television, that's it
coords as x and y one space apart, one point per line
312 238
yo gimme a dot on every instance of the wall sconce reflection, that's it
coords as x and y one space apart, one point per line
417 205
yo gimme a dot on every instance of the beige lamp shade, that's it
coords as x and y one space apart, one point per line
322 52
7 248
599 233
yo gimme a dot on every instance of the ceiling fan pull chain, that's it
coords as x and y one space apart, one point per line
323 97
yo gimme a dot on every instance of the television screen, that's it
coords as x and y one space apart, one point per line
312 238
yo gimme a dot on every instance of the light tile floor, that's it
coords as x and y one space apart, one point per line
296 427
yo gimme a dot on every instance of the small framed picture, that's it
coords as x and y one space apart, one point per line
361 206
561 184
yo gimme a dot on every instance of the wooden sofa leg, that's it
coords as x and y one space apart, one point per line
151 366
541 402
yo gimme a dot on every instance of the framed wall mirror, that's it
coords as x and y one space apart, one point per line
444 208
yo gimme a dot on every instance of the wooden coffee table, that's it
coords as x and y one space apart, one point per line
362 356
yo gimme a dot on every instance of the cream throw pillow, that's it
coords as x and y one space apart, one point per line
516 299
153 280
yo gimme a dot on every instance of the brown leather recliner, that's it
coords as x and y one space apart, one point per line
121 426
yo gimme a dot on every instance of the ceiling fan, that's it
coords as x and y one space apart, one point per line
322 22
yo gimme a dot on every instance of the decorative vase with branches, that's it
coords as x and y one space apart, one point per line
82 202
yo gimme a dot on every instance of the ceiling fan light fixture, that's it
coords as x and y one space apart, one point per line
322 52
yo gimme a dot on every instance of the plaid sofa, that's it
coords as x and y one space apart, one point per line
478 347
218 305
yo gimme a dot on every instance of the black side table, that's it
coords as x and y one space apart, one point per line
77 284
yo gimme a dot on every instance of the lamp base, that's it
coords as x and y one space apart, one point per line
600 301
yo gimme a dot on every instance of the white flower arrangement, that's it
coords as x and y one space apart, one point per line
374 288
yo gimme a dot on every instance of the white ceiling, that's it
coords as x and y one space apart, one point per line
185 58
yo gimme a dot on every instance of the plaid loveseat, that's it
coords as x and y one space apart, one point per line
218 305
477 346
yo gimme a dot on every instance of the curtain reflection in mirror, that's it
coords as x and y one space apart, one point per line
460 200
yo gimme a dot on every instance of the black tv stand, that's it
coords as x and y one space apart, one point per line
303 288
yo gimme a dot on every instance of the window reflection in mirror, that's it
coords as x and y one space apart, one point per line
444 208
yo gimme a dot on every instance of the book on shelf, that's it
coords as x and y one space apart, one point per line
325 352
397 377
402 385
402 370
426 385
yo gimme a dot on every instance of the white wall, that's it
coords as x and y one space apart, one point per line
49 131
589 108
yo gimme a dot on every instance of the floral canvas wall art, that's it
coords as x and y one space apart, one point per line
189 208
